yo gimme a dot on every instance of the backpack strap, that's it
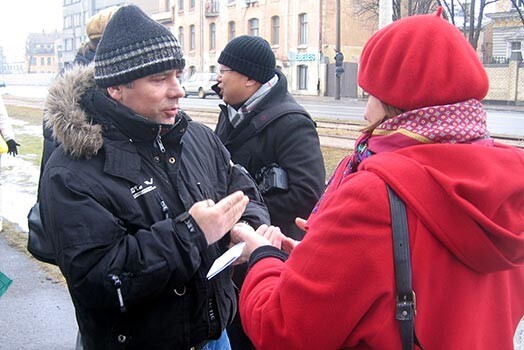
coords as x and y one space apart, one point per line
264 118
406 301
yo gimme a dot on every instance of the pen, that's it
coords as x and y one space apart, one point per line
202 191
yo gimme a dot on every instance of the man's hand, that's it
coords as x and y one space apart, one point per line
11 147
215 220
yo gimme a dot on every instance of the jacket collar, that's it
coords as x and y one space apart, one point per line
81 116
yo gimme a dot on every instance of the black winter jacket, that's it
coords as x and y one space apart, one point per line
116 207
286 137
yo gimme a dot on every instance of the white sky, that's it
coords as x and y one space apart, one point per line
18 18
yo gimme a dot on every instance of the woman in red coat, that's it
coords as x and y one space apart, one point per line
464 195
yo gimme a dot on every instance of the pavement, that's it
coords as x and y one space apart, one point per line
36 312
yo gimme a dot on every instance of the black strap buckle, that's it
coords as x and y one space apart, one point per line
406 307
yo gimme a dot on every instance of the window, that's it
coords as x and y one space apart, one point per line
191 4
212 36
181 37
49 61
212 69
192 37
180 5
68 44
253 26
231 30
302 77
192 71
275 29
42 61
302 30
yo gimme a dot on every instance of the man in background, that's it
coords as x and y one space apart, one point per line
271 135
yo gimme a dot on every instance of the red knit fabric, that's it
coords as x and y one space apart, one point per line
407 64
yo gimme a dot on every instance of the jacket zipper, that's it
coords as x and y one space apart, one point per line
160 144
117 283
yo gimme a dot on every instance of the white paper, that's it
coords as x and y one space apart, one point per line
226 259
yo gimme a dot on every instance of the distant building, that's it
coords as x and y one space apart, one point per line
3 61
507 33
76 13
302 34
40 53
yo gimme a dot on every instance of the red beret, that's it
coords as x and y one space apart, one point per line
421 61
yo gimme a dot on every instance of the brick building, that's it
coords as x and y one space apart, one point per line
302 34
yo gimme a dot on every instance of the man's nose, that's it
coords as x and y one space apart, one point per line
175 88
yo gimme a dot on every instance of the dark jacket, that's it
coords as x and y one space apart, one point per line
283 134
116 207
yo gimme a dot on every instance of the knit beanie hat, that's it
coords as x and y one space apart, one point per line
421 61
251 56
134 46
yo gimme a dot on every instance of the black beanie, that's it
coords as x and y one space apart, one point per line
251 56
134 46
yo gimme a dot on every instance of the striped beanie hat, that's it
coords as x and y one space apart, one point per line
134 46
251 56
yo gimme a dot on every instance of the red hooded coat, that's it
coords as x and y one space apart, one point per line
465 207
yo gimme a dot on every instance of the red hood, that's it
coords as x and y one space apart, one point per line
471 197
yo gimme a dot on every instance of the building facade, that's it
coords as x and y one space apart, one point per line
42 52
302 34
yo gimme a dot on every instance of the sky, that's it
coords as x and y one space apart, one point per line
18 18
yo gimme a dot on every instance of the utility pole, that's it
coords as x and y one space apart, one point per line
339 58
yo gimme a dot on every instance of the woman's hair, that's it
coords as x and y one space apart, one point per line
390 113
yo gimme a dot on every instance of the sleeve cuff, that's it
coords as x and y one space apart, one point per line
267 251
184 223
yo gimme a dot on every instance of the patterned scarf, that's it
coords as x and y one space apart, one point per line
462 122
236 117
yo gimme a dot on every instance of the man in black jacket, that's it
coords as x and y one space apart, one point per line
271 135
138 199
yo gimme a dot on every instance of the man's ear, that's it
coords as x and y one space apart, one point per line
115 92
252 82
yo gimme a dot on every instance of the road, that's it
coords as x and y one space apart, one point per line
502 120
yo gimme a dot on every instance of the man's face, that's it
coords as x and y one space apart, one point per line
154 97
235 87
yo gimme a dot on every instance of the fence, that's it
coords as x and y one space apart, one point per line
506 82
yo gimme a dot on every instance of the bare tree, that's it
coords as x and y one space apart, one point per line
369 8
471 15
514 2
466 14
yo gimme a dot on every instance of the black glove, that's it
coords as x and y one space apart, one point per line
11 147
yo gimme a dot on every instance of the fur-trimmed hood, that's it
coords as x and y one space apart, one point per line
64 114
